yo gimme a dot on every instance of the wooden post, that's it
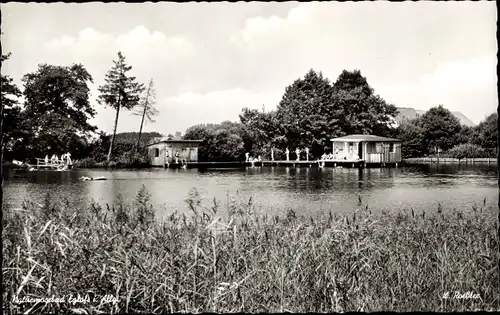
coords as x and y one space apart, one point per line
164 154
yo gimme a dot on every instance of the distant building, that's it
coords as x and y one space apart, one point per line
409 113
369 148
163 151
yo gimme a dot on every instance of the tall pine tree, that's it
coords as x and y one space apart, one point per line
120 91
146 109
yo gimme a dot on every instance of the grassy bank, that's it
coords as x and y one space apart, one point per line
249 262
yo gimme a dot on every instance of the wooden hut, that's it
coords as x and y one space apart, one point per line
165 151
368 148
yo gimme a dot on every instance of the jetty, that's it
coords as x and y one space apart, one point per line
62 164
437 160
315 163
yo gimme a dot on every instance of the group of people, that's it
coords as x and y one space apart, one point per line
324 157
176 156
252 159
65 159
248 158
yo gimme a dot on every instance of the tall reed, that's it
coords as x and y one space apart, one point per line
228 258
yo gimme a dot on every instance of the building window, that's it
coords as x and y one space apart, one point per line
157 152
392 148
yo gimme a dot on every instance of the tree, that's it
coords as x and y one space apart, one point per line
466 134
485 134
411 133
57 107
120 91
262 131
8 112
441 128
221 142
306 112
146 109
11 113
350 80
363 112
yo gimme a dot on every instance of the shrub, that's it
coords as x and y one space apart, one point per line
85 163
467 150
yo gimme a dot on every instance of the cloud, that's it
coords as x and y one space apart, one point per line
139 45
259 29
179 112
460 85
212 65
215 106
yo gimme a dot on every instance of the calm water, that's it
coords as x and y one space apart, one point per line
273 189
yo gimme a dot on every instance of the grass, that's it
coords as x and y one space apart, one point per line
247 262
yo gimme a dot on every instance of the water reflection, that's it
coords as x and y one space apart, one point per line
308 189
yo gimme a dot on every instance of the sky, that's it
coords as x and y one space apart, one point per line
210 60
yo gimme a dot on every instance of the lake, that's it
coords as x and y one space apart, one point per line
272 189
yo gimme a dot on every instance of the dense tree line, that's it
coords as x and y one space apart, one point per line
51 116
439 131
52 112
310 113
313 110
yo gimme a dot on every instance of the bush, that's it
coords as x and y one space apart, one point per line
85 163
131 158
467 151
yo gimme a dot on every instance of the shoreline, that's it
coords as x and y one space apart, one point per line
242 164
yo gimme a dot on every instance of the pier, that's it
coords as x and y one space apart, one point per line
243 164
52 165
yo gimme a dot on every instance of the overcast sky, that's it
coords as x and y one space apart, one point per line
209 60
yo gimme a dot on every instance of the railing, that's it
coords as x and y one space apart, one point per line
42 163
452 160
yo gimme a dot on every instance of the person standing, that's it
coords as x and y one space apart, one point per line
287 152
297 152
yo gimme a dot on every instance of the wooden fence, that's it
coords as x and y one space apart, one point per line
428 160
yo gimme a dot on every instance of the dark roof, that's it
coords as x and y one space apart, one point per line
405 113
175 141
411 113
365 138
464 120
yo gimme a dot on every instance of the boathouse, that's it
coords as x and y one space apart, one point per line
369 149
165 151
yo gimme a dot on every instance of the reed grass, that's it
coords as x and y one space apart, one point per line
227 258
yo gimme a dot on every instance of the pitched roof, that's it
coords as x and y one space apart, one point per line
364 138
463 119
173 141
411 113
